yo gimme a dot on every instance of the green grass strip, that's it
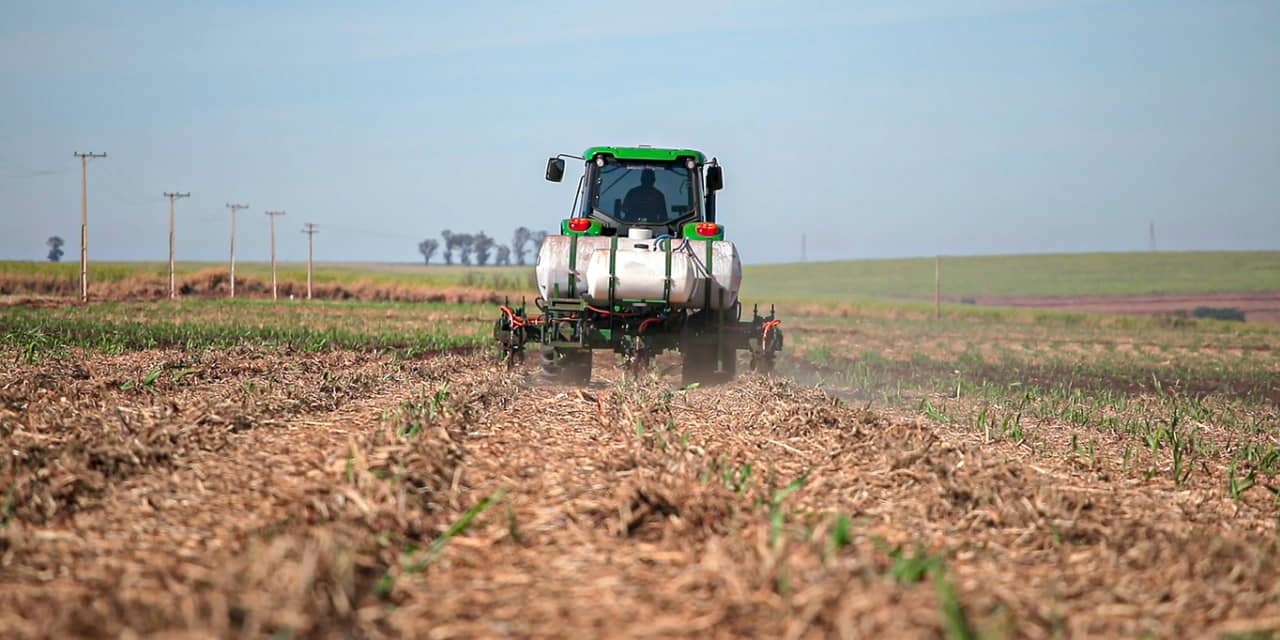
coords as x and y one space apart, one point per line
38 335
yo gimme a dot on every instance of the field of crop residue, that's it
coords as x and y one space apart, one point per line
369 470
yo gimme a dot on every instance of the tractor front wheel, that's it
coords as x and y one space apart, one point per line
566 366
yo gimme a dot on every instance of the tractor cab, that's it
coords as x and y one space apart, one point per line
669 192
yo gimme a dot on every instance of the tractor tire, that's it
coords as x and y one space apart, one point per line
730 364
700 365
566 366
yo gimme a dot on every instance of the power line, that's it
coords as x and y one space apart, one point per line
13 170
127 202
84 220
135 197
173 287
29 174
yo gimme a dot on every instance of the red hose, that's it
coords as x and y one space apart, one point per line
516 323
764 335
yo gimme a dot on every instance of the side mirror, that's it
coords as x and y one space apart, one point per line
555 169
715 178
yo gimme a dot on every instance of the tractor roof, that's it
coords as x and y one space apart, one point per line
645 153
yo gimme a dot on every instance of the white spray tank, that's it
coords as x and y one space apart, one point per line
634 269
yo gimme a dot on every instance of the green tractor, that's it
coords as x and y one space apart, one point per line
640 267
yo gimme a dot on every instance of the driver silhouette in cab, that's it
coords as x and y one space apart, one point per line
645 203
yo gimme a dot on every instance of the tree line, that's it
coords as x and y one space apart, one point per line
480 249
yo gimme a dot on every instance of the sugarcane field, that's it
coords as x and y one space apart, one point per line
865 320
378 469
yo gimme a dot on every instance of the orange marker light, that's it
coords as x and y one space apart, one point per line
579 224
707 229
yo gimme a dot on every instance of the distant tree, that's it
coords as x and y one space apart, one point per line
537 238
465 243
428 248
504 255
483 247
520 243
449 245
55 248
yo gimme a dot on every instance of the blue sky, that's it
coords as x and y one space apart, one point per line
878 129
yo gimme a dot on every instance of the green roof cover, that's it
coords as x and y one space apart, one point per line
644 153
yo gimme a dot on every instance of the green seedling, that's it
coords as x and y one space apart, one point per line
1179 445
737 481
841 535
910 568
1014 429
147 381
933 414
777 518
411 429
456 529
1236 485
382 589
954 621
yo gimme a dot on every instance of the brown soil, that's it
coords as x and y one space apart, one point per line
214 283
251 493
1258 307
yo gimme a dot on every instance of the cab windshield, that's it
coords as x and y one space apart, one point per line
643 193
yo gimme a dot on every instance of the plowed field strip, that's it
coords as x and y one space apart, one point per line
453 499
631 512
164 531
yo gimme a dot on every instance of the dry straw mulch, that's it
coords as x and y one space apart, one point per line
349 496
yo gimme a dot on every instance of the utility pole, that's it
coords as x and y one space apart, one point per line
84 220
173 287
804 252
311 231
271 215
234 208
1151 235
937 287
